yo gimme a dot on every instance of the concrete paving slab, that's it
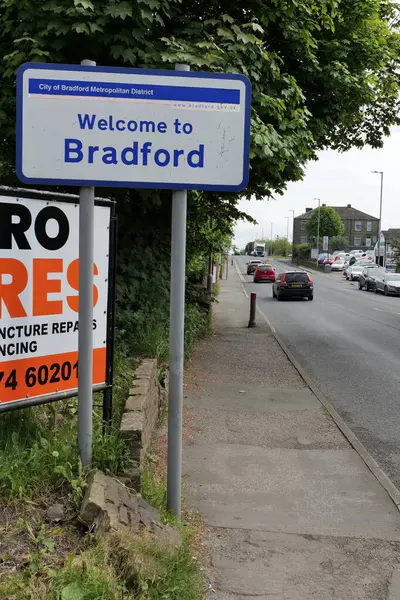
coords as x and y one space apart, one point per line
394 588
246 398
292 429
235 361
325 492
295 567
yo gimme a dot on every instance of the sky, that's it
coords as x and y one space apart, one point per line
337 179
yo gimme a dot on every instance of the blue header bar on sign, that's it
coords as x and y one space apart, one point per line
55 87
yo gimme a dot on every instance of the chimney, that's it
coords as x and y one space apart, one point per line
308 210
349 206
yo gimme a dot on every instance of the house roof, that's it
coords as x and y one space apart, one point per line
345 212
391 234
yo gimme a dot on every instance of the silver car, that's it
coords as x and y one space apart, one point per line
388 284
354 271
338 265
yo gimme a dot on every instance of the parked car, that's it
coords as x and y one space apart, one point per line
342 255
354 271
338 265
252 265
323 256
388 284
349 270
349 262
367 279
391 268
264 273
293 284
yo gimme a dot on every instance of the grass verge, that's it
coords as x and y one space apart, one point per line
39 467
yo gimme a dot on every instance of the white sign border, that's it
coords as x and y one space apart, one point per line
130 184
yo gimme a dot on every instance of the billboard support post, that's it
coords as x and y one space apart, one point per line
177 342
112 254
85 336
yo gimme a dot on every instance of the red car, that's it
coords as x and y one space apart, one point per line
264 273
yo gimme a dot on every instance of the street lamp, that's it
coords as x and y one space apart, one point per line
287 219
292 211
271 235
380 219
319 220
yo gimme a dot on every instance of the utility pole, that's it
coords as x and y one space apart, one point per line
271 245
287 235
210 264
319 221
292 211
380 221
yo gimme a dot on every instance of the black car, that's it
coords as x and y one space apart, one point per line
293 284
368 276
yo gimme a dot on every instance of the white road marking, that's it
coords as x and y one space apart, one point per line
238 271
388 312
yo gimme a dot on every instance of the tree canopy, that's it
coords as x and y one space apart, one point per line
330 223
323 71
323 74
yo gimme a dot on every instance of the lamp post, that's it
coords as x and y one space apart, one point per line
380 220
292 211
287 235
271 235
319 220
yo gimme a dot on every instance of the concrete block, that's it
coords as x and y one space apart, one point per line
136 402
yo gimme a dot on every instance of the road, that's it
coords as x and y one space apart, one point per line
348 341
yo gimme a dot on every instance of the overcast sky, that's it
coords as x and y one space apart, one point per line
337 179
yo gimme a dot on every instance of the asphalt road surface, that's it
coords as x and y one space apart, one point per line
348 341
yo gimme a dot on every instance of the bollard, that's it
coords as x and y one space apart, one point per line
252 321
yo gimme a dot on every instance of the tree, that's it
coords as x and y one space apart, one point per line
281 247
324 73
338 242
395 244
330 223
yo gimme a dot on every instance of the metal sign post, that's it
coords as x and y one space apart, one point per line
177 345
83 125
85 332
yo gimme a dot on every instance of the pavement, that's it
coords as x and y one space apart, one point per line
348 342
292 511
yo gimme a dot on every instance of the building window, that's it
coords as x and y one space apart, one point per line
374 238
357 240
369 225
303 239
303 225
357 226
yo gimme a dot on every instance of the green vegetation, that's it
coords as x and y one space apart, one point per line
38 447
277 247
395 244
38 466
338 242
324 75
119 567
330 223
